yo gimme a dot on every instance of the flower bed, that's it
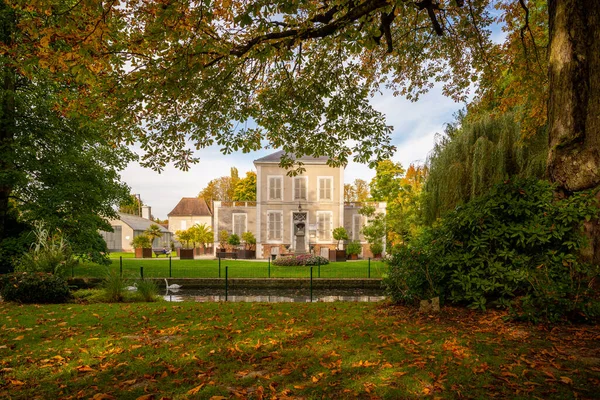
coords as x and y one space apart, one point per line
301 259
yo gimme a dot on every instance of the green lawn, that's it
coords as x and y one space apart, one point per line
203 268
284 351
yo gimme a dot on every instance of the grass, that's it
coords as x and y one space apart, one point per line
206 268
309 351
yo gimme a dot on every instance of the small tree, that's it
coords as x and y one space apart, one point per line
340 234
202 234
374 230
353 248
153 232
249 240
141 242
234 240
184 236
223 238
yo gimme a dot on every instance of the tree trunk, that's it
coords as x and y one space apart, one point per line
574 104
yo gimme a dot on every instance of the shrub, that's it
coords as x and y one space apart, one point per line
376 248
114 286
37 287
301 259
249 240
147 290
233 240
516 247
353 248
49 253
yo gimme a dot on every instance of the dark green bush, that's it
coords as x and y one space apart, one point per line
515 247
38 287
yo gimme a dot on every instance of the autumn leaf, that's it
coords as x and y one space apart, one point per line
146 397
16 382
19 337
85 368
218 398
566 380
102 396
195 390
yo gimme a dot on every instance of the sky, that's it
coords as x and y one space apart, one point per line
415 126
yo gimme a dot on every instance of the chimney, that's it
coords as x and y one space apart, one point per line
146 212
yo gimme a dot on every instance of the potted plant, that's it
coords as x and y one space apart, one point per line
233 241
353 249
202 234
339 234
376 249
249 250
153 232
223 237
143 246
185 253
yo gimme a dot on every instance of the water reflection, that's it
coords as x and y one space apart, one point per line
275 295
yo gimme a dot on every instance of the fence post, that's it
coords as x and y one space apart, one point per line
226 281
369 273
311 283
269 268
142 272
219 267
170 268
319 267
72 270
121 266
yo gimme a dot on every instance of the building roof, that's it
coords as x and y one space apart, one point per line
276 157
188 206
138 223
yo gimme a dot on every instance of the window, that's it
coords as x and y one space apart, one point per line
357 224
325 188
324 225
275 187
274 225
239 224
300 187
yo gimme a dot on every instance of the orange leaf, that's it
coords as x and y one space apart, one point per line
566 379
146 397
506 373
85 368
195 390
16 382
19 337
399 374
102 396
218 398
315 379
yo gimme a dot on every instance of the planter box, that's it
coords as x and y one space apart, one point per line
247 254
337 255
353 257
143 253
186 254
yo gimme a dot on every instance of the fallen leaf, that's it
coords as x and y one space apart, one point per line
16 382
218 398
102 396
566 379
85 368
195 390
146 397
19 337
399 374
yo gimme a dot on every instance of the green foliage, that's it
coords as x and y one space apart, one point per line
245 189
233 240
387 181
141 242
114 285
376 248
516 246
186 237
153 232
301 259
132 204
49 253
474 157
353 248
201 233
374 230
249 240
147 290
340 234
38 287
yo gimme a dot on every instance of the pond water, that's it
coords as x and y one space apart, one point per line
279 295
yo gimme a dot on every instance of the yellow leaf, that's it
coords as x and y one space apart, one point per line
218 398
567 380
145 397
102 396
19 337
315 379
16 382
195 390
85 368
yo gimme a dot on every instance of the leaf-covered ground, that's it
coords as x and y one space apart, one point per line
285 351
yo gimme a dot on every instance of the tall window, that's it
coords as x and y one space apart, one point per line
357 224
324 225
274 225
239 224
275 187
300 187
326 188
